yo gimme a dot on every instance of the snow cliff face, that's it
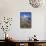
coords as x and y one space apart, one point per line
25 21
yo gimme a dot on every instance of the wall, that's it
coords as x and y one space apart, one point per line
45 27
12 8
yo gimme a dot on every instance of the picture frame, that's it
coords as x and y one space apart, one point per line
25 19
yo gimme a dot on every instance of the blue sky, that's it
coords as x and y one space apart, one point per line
25 14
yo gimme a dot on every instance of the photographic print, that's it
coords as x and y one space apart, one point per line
25 19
